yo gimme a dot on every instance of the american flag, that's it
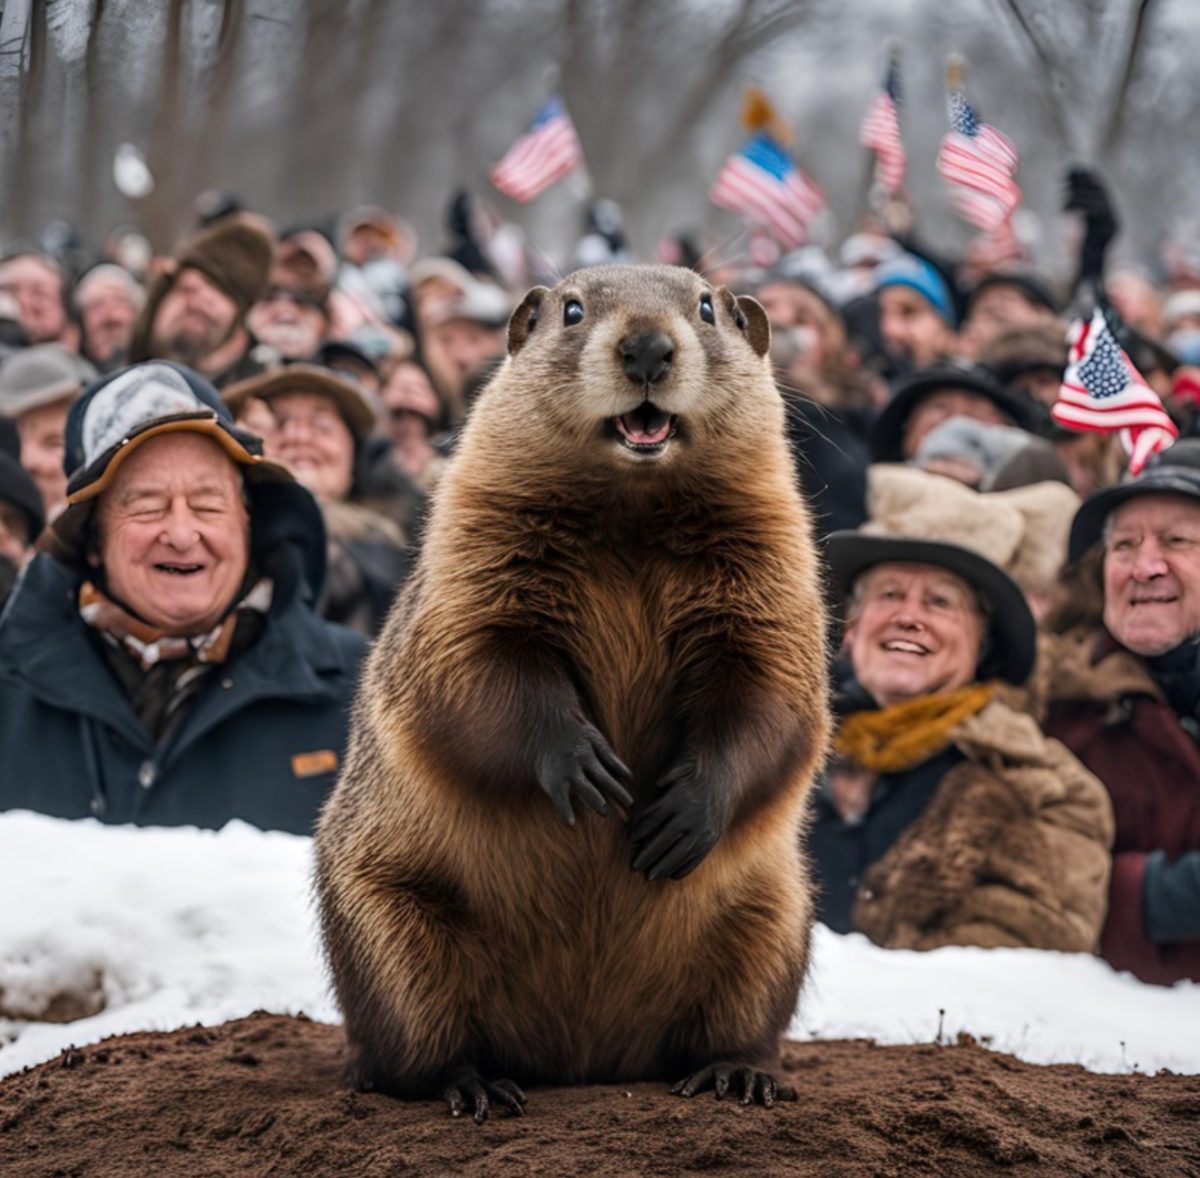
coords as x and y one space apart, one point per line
1102 391
763 182
880 131
544 154
978 162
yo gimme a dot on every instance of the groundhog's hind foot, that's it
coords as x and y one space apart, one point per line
467 1088
749 1083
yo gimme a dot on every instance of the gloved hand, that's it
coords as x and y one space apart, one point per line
1086 194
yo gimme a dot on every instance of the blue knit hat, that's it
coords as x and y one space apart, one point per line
917 274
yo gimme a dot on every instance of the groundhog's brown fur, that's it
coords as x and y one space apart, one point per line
675 605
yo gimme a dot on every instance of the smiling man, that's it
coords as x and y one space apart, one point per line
196 306
1125 696
947 817
160 662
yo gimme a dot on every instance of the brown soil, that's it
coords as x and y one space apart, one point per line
264 1096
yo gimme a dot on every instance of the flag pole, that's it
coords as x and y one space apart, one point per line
956 72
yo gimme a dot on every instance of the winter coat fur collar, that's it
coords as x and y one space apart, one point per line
1012 850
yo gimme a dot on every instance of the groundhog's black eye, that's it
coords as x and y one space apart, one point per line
706 309
572 312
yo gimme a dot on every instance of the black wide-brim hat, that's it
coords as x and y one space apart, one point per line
1175 472
887 431
1012 646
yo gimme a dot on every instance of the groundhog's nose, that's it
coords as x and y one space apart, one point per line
647 357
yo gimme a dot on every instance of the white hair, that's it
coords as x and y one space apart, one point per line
111 272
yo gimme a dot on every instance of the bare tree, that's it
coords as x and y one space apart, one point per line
307 106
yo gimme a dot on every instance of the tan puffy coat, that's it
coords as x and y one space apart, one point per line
1012 850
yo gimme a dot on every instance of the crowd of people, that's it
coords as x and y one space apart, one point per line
214 469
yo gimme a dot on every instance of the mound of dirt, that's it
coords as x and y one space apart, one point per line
264 1095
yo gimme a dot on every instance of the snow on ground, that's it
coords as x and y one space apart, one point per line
174 927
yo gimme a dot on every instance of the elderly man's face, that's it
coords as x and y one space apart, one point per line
175 534
313 441
911 328
192 320
107 312
37 287
942 404
1152 573
915 630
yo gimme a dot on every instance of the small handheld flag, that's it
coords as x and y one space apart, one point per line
977 162
763 182
880 130
1102 391
544 154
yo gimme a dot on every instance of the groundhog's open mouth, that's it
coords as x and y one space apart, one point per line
646 429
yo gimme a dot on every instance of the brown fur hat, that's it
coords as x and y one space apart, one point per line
1023 530
1048 509
234 254
904 500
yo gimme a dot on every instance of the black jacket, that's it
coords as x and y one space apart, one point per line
831 464
261 742
842 851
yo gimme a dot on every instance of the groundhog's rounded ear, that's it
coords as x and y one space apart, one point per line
752 319
524 318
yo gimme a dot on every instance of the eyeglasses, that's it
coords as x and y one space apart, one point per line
400 413
301 298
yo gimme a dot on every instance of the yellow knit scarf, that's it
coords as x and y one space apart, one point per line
904 735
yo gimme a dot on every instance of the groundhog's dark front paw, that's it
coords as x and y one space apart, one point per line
746 1082
674 833
469 1090
580 761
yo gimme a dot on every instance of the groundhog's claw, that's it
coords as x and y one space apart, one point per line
581 762
749 1083
468 1085
675 832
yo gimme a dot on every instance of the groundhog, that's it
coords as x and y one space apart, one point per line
566 843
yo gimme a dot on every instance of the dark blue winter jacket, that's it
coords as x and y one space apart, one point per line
261 741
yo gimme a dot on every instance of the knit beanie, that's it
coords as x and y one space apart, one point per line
234 254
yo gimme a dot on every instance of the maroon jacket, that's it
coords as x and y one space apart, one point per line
1108 711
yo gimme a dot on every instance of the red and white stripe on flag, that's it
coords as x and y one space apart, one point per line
785 207
543 155
979 169
880 131
1102 391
